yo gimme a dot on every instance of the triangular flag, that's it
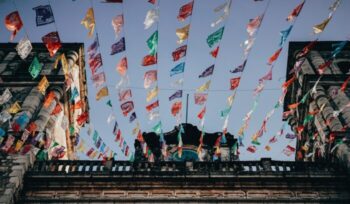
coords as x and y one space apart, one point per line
182 33
320 27
215 37
13 23
89 21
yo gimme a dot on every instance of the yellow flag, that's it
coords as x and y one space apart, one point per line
136 129
230 100
320 27
102 93
152 93
182 33
43 85
81 146
89 21
14 108
64 63
204 87
18 146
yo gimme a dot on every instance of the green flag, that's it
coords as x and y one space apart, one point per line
308 118
109 103
225 112
71 130
215 37
255 142
157 128
35 68
41 155
303 100
95 136
152 43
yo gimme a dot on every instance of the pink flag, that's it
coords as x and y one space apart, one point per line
200 98
122 66
117 23
127 107
149 78
253 25
98 79
125 94
268 76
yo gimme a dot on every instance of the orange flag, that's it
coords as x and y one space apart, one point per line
293 106
343 86
176 107
295 12
13 23
274 56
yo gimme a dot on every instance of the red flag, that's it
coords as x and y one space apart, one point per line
78 105
201 113
323 66
215 52
127 107
343 86
273 139
179 52
286 84
293 106
176 108
32 128
152 1
13 23
140 137
82 118
118 136
185 11
307 48
149 60
52 42
152 106
234 82
57 109
274 56
251 149
95 63
295 12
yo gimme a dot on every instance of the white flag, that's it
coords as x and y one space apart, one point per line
24 47
152 17
226 7
6 96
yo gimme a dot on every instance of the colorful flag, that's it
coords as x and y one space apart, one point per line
343 86
149 60
215 52
176 108
152 93
92 49
98 79
157 128
177 83
64 63
182 33
338 48
5 116
112 1
274 56
14 108
284 35
127 107
110 118
24 47
49 98
152 17
122 66
201 113
322 67
259 88
35 67
295 12
124 82
207 72
204 87
74 94
52 42
152 106
89 21
267 76
57 109
251 149
132 117
185 11
95 63
152 1
149 78
109 103
240 68
13 23
44 15
179 52
226 7
152 43
320 27
248 45
307 49
178 69
177 94
118 46
334 6
289 150
230 100
224 113
124 94
200 98
234 82
117 24
43 85
77 105
215 37
153 115
254 25
82 118
103 92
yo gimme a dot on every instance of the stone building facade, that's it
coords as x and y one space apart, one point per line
322 119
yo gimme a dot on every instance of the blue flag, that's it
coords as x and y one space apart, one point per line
44 15
178 69
240 68
338 48
118 46
284 35
177 94
132 117
207 72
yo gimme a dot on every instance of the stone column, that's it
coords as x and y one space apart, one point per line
318 60
341 100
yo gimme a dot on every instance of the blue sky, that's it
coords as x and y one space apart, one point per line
68 15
